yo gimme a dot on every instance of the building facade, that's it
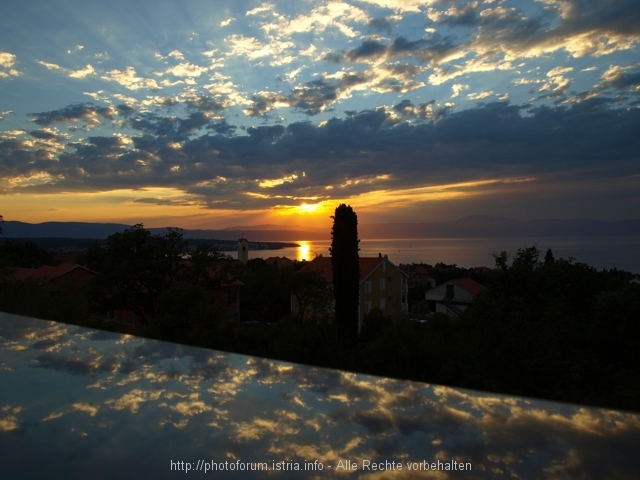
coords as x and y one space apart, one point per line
383 285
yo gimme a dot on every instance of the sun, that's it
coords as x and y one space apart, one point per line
308 208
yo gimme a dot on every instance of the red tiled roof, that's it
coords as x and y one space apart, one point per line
322 265
421 270
271 261
469 285
45 271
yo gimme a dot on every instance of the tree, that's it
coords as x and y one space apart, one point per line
312 293
1 221
548 258
346 272
205 267
136 267
24 255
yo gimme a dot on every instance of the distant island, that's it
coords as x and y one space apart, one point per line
475 226
80 245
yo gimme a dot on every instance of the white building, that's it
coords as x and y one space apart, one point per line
454 297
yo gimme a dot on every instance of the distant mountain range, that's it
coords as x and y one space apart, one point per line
478 226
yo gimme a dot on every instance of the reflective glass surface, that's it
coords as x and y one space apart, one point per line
82 403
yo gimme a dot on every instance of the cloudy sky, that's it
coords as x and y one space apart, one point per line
206 114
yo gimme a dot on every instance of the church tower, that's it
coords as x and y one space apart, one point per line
243 250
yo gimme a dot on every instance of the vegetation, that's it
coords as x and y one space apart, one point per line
24 255
346 272
548 328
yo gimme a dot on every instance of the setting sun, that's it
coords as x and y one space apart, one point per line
309 208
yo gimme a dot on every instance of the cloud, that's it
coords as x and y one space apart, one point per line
186 69
71 364
253 49
70 114
413 6
479 95
497 35
466 16
49 66
457 88
557 85
423 111
77 48
383 24
215 168
44 134
177 54
205 103
134 399
80 73
129 79
316 96
7 61
559 71
431 50
264 8
621 77
598 29
333 15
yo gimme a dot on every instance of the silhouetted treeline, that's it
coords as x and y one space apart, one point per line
24 255
548 328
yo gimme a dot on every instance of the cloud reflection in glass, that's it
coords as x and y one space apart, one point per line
77 402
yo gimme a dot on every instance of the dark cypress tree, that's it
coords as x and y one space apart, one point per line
548 258
346 272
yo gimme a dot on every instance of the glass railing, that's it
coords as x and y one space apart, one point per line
82 403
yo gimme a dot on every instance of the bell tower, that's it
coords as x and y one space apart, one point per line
243 250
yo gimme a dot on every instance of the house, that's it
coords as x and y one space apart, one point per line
52 279
635 281
454 297
382 285
279 262
418 275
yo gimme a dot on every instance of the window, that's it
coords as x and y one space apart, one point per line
383 284
367 287
367 307
383 304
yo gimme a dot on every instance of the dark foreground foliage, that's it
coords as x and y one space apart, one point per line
550 329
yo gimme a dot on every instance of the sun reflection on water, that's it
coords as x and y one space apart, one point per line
304 251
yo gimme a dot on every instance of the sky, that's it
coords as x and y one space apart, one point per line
203 114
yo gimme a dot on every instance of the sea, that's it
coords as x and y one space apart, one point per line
622 253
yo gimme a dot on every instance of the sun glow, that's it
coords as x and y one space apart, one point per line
309 208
